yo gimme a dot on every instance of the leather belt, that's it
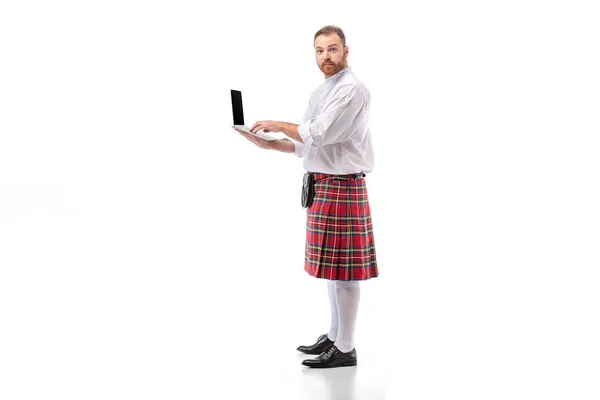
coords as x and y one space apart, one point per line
355 176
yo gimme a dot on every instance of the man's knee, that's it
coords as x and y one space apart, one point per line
346 285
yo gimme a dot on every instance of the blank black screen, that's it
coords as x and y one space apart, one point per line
238 109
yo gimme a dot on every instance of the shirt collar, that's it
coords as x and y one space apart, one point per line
334 78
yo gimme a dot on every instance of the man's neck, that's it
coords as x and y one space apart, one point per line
331 76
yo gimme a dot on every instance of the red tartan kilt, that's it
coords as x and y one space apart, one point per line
339 231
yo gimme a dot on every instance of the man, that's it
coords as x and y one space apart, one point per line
335 141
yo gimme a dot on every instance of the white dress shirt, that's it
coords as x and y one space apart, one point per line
335 129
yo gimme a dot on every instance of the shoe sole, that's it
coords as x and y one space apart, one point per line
351 363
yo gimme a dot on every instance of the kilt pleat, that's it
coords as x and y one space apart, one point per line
340 243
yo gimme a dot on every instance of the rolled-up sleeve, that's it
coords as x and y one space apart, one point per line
337 121
300 149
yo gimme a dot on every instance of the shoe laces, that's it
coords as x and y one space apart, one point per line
331 350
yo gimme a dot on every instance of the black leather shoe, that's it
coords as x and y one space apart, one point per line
332 358
323 343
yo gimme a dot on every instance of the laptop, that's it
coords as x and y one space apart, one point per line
238 116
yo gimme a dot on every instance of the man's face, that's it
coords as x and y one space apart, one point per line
330 55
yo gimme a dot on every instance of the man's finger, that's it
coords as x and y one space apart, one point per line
257 127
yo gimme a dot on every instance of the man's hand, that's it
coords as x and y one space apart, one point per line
267 126
288 129
260 142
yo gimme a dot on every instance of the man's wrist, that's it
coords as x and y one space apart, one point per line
284 145
291 130
283 127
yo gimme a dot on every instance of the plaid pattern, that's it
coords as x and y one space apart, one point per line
339 231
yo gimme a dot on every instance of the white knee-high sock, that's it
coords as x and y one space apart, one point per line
333 329
348 297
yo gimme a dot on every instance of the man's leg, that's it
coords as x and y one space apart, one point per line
347 294
326 340
333 329
342 354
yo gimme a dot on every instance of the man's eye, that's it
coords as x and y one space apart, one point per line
334 49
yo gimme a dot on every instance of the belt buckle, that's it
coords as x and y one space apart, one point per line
356 176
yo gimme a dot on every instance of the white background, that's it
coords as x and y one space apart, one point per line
147 251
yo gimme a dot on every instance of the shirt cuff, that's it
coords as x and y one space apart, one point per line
299 149
305 133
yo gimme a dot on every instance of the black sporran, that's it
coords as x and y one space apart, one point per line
308 190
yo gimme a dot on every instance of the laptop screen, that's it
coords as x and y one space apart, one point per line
238 109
